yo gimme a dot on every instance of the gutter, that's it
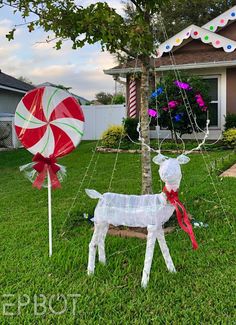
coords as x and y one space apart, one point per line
122 71
203 65
220 64
13 89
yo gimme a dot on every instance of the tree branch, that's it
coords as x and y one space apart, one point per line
134 2
129 53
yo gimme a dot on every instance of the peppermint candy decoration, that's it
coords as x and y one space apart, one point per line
49 121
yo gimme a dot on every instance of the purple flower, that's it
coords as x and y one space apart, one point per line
182 85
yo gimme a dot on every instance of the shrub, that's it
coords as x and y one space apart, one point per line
118 99
176 118
130 126
230 121
112 136
229 137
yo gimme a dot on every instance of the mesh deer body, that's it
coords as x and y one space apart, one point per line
150 211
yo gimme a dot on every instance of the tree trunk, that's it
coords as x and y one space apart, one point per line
145 133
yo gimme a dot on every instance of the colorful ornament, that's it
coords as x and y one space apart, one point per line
178 117
182 85
200 101
49 123
157 92
173 104
165 109
152 112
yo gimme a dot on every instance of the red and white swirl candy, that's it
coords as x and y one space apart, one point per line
49 121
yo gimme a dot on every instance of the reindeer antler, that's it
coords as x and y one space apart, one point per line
141 139
203 141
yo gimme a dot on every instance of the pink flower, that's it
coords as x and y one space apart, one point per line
152 112
200 101
173 104
165 108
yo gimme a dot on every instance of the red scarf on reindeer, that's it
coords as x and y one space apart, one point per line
181 214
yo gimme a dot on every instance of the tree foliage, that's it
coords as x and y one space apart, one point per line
104 98
178 14
100 22
25 79
118 98
63 87
107 98
95 23
181 119
182 13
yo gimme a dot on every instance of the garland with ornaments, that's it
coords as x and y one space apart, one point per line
195 32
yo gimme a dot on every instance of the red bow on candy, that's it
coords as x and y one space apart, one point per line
181 214
44 166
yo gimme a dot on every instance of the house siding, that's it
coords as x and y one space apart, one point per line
231 90
9 101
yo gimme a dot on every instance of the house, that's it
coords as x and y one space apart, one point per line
207 51
81 100
11 92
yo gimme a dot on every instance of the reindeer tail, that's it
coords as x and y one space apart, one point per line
93 194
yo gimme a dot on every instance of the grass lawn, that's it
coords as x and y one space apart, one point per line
203 291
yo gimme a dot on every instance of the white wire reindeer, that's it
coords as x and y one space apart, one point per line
150 211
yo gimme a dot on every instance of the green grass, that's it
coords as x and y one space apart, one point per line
203 291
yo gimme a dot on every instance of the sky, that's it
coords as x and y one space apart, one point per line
28 55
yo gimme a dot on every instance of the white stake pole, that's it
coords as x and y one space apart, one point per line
50 215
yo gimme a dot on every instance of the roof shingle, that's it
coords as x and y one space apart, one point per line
11 82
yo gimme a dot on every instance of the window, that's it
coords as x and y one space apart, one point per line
213 108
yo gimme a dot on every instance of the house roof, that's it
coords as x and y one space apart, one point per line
195 32
222 20
11 83
82 100
206 34
214 48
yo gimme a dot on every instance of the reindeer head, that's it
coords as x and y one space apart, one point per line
170 171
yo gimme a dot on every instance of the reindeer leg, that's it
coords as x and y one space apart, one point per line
101 242
151 239
165 250
92 250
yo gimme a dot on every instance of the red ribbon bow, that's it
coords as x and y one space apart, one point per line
44 166
181 214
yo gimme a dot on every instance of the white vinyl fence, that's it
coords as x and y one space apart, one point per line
99 117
